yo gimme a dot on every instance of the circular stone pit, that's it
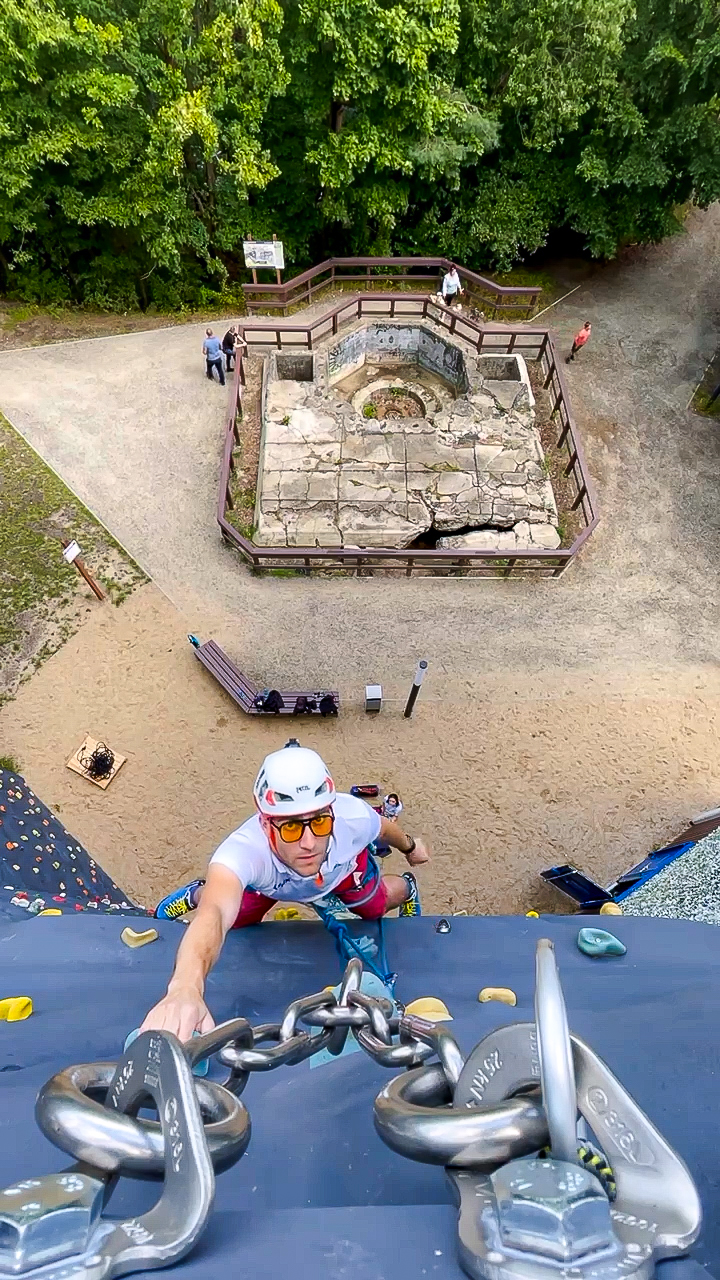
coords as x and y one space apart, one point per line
395 402
387 398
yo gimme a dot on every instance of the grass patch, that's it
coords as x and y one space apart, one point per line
41 596
701 402
29 324
521 277
569 523
9 764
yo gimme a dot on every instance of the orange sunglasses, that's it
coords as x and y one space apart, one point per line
291 829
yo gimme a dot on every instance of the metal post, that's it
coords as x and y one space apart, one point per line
415 687
557 1071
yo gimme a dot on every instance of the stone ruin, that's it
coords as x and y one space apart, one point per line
397 435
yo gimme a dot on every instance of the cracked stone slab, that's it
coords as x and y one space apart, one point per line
365 528
471 460
384 485
304 426
294 456
373 451
423 451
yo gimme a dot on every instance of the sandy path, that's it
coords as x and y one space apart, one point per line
504 778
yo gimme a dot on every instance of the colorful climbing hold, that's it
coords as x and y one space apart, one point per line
431 1008
49 911
598 942
504 994
133 939
15 1008
287 913
610 909
533 915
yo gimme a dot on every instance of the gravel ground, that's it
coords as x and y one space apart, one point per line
688 889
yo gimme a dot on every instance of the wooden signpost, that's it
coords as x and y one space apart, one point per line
71 553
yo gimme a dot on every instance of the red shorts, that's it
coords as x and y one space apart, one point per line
363 891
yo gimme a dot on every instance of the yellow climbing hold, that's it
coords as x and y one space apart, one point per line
504 994
133 939
610 909
287 913
15 1008
534 915
431 1008
50 911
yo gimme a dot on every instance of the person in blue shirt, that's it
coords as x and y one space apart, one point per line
212 350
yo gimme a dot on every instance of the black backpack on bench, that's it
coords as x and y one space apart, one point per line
271 702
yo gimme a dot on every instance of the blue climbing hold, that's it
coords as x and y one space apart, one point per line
598 942
366 945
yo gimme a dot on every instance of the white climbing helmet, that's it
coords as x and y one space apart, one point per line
292 781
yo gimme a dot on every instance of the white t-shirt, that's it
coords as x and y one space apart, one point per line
451 282
247 853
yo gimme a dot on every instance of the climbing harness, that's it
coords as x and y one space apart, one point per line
487 1118
333 913
363 948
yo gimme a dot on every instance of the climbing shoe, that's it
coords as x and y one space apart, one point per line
178 903
411 905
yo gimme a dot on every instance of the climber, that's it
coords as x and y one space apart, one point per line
305 841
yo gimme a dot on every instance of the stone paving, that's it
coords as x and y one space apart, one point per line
472 458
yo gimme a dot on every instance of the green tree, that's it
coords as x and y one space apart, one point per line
140 140
608 119
371 104
129 140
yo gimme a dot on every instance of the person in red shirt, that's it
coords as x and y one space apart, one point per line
579 341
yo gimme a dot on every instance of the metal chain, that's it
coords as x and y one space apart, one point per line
70 1115
473 1117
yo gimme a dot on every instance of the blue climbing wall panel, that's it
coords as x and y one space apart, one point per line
317 1191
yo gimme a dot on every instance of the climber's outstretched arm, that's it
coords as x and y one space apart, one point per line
183 1010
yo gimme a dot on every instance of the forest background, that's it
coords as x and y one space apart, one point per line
142 140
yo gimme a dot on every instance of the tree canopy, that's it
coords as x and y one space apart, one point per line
141 140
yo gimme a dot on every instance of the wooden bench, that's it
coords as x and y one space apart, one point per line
242 690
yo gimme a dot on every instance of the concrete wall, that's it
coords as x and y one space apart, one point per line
406 344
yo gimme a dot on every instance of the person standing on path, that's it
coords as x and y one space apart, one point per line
579 341
451 287
212 350
228 346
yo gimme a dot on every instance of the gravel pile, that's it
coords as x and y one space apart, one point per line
688 889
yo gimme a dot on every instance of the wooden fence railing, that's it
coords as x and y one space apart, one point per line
496 299
534 344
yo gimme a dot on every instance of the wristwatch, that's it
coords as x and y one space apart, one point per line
412 846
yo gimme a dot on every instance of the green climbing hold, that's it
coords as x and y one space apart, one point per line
598 942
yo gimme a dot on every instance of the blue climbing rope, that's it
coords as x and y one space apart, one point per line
364 949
